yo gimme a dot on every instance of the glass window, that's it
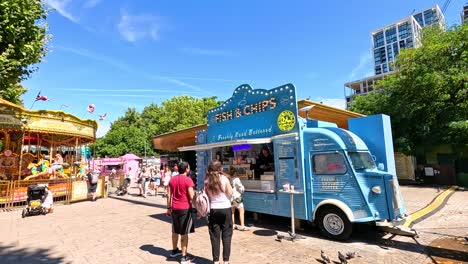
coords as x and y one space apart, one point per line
389 52
430 17
378 69
361 160
390 34
419 18
395 49
409 43
329 163
378 39
402 44
384 67
404 29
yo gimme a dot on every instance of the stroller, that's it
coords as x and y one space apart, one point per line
34 202
122 189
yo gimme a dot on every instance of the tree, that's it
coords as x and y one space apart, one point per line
427 96
23 41
134 131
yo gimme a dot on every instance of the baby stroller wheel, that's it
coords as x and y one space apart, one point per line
24 213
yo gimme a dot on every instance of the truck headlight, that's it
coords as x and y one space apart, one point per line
376 189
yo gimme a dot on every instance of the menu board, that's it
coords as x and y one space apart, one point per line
286 161
286 169
285 148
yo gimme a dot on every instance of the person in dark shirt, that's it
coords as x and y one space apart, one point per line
264 162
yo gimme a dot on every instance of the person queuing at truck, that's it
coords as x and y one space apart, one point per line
179 199
219 191
237 200
264 162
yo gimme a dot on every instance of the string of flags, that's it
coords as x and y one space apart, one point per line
91 107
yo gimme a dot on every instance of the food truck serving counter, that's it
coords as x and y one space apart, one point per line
336 182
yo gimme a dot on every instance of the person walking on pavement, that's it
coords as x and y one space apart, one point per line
179 199
141 180
219 191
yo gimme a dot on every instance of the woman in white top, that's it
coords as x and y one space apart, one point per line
219 191
237 200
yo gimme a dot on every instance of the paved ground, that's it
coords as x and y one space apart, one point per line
135 230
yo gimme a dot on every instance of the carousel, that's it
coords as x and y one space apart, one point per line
41 145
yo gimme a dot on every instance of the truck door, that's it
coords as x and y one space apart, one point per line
330 176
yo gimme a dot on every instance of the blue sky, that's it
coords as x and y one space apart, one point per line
128 53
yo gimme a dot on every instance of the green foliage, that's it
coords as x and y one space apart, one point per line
427 97
133 132
23 41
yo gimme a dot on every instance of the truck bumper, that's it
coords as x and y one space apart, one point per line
396 227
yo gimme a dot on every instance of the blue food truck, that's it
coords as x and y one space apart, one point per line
332 171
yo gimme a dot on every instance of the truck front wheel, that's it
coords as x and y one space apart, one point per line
333 223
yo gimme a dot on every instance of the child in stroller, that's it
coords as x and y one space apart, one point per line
40 200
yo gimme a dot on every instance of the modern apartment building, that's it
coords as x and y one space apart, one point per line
464 14
387 43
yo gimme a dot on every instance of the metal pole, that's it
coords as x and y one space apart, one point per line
21 156
291 200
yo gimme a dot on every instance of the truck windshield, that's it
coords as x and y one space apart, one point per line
361 160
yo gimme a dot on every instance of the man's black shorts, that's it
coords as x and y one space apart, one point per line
182 222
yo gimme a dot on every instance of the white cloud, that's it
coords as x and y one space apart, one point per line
103 128
207 52
126 68
91 3
335 102
137 27
364 63
60 6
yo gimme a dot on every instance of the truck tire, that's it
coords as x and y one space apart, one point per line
334 224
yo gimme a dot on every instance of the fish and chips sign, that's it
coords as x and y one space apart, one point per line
253 113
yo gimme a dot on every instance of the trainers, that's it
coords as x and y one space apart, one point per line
175 252
186 259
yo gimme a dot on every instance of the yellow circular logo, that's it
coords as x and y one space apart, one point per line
286 120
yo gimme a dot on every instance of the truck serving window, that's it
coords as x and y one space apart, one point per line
361 160
329 163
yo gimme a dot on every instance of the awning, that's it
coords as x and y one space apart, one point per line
226 143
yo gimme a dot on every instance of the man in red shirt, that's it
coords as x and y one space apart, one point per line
179 198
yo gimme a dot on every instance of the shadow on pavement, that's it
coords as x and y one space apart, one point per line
121 198
165 253
163 217
12 255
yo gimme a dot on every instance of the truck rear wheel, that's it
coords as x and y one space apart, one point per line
334 224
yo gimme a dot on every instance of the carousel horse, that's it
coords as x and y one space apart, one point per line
43 170
81 171
35 173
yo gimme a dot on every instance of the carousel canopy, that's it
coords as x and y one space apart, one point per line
55 124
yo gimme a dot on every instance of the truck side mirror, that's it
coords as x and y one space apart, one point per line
381 167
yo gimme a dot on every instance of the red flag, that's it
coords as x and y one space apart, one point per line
40 97
91 108
102 117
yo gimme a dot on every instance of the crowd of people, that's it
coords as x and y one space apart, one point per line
225 194
224 191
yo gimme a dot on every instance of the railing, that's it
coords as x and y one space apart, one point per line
14 194
5 187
